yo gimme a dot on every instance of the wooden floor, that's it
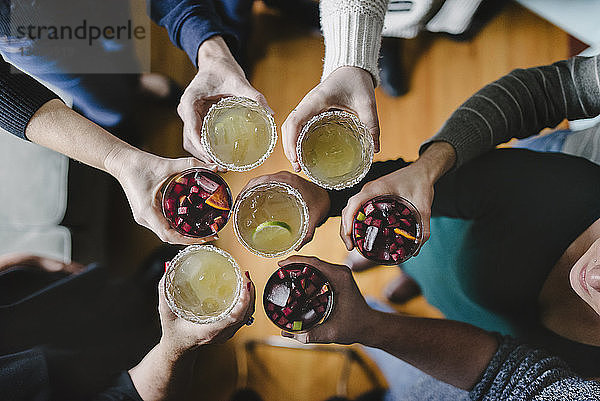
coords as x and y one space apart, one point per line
443 74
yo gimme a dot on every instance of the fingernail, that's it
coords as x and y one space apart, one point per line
248 286
247 273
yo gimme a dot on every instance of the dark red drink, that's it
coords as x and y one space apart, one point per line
197 202
297 297
388 230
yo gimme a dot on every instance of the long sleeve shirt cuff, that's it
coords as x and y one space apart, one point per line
190 23
20 98
195 30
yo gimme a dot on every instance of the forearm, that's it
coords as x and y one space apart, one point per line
352 34
521 104
163 375
59 128
453 352
189 23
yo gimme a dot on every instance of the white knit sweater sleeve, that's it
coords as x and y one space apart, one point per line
352 32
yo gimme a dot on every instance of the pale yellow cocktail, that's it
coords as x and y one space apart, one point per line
202 283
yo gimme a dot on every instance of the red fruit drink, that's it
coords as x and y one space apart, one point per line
196 202
388 230
297 297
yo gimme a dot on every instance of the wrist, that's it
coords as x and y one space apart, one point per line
173 354
374 328
123 158
436 161
213 48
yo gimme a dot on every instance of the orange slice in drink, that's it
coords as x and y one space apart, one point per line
219 199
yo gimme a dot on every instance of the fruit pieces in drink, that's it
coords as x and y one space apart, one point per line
269 219
197 203
297 297
387 230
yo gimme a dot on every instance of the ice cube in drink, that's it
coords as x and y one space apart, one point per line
388 230
202 283
270 219
238 133
297 297
335 149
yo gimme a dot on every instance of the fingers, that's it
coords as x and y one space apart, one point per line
311 105
311 337
367 113
329 269
348 214
255 95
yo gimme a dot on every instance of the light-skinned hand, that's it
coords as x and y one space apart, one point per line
142 176
218 76
347 88
180 335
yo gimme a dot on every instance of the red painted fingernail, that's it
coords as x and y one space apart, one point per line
247 274
249 286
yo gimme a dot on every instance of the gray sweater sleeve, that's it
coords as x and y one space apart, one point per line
521 104
519 373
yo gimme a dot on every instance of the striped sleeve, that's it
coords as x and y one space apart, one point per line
521 104
352 33
20 97
519 373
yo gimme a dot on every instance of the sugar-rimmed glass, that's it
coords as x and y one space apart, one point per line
270 214
238 133
186 280
298 297
335 150
196 202
388 229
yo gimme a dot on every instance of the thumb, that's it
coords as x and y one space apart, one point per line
367 113
308 107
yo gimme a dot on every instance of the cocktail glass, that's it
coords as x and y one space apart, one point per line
238 133
270 219
196 202
202 283
297 297
335 150
388 229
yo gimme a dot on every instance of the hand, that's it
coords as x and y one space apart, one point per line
180 335
414 182
408 182
142 176
346 323
39 262
315 197
219 75
347 88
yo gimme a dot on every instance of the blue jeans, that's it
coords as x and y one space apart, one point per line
407 383
552 142
105 98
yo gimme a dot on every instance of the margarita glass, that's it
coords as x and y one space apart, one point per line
335 149
297 297
270 219
388 229
202 283
196 202
238 133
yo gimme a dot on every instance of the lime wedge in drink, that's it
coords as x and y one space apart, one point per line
273 235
